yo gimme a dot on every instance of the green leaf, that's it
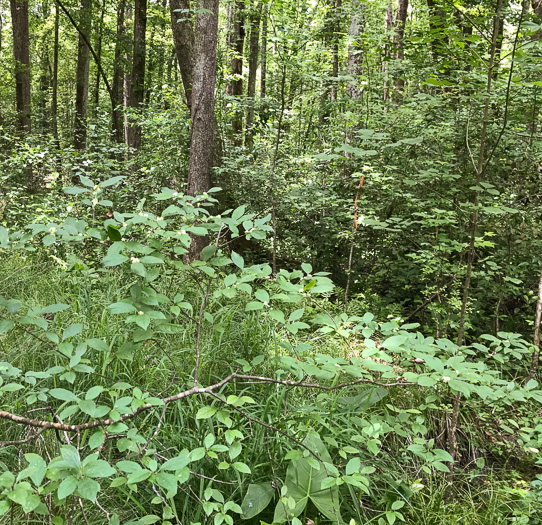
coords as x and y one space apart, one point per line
36 468
113 233
74 190
304 483
256 500
86 181
96 439
277 315
208 252
53 309
70 456
206 412
99 469
114 259
71 331
237 260
353 466
98 344
149 259
138 476
113 181
121 308
178 462
241 467
296 314
253 305
6 325
67 487
88 488
168 482
238 213
63 394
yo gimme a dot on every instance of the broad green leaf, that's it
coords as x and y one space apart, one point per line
256 499
67 487
96 439
113 233
70 455
6 325
63 394
208 252
36 468
206 412
53 309
88 488
138 476
121 308
72 331
178 462
114 259
237 260
241 467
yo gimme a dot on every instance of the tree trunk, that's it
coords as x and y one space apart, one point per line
151 63
252 71
21 53
387 52
536 340
537 10
83 64
238 41
399 53
117 85
263 72
137 80
355 52
128 49
203 105
183 39
54 94
96 96
335 60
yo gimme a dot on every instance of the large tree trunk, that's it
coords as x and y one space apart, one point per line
183 38
137 80
203 105
21 53
252 70
117 86
83 64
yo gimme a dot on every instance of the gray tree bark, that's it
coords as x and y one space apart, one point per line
83 64
183 39
203 106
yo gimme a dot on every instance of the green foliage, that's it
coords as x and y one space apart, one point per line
146 409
